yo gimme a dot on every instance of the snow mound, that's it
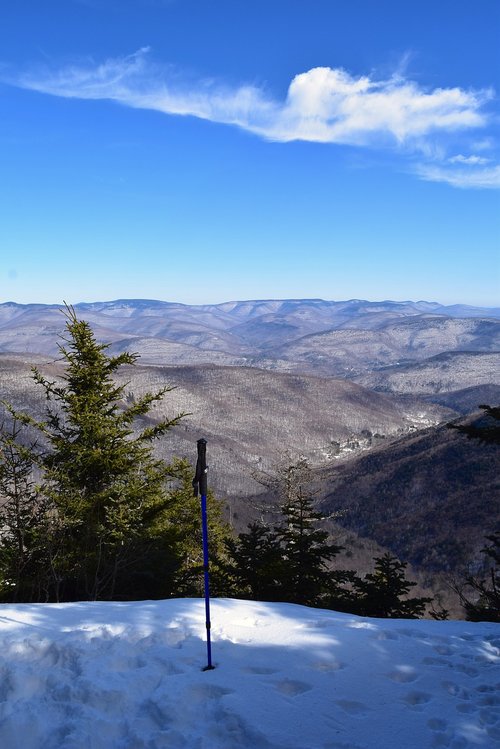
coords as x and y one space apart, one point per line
129 676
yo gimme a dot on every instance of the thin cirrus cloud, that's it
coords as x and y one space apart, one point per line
466 178
474 160
323 105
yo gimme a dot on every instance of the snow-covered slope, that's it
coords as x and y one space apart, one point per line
128 676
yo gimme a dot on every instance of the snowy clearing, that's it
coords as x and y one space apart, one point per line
128 676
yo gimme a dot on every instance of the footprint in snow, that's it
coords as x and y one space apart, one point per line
466 708
292 688
157 712
352 707
443 650
455 690
416 699
202 692
174 637
490 700
437 724
485 688
328 666
403 675
467 670
435 661
169 668
261 670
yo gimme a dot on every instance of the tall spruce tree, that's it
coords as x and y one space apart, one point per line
306 548
290 561
257 564
105 488
383 592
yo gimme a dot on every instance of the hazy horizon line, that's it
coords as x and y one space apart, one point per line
262 300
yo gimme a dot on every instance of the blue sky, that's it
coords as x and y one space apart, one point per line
201 151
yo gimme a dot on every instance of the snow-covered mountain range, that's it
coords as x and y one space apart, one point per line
309 336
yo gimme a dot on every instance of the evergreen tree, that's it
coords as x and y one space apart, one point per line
23 521
103 485
383 592
480 594
257 564
305 547
289 562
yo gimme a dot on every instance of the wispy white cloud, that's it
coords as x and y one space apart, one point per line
325 105
472 160
135 82
481 178
483 144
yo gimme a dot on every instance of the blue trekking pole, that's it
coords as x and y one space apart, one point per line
200 483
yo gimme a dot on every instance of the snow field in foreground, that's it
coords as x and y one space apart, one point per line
128 676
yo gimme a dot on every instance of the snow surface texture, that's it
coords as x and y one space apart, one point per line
128 676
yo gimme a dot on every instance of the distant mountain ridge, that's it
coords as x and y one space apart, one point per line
246 320
254 307
373 342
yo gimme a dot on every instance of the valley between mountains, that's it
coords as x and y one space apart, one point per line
361 389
